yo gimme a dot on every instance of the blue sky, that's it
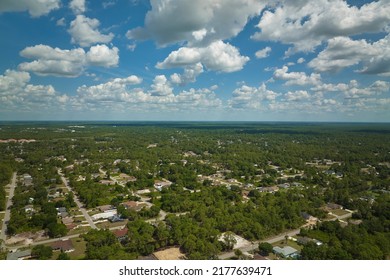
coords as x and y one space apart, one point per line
217 60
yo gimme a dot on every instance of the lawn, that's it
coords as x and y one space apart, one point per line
290 243
339 212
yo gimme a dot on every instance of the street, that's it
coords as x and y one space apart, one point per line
7 214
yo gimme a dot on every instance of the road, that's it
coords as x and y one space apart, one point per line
255 245
78 203
7 214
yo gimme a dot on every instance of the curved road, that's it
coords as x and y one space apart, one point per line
7 215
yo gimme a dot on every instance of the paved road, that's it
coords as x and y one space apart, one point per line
255 245
7 214
78 203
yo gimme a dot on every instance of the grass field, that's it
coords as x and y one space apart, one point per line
339 212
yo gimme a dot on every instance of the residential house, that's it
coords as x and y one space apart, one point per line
304 240
121 234
104 215
159 185
27 180
19 255
286 251
65 245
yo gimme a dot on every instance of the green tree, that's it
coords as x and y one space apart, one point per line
265 248
42 252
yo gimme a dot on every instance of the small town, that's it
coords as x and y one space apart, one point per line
68 195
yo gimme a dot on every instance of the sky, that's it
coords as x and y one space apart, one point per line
204 60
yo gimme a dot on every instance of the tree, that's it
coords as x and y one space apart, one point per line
63 256
229 240
42 252
265 248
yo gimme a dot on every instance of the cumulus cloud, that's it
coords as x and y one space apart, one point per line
84 31
53 61
189 75
159 96
101 55
12 80
296 78
66 63
247 97
306 24
77 6
17 94
342 52
218 56
297 95
263 53
35 8
169 21
161 86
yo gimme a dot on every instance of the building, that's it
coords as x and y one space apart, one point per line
305 240
121 234
104 215
19 255
159 185
286 252
65 245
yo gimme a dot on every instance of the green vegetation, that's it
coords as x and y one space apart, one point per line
189 183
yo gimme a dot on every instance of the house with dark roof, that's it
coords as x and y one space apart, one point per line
65 245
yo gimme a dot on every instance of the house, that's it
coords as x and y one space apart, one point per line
105 208
286 251
19 255
127 178
121 234
304 240
134 205
284 186
333 206
268 189
104 215
115 218
27 180
65 245
67 220
159 185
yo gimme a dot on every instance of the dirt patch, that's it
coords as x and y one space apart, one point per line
169 254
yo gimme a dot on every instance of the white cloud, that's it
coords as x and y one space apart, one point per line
263 53
77 6
169 21
342 52
296 78
306 24
247 97
35 8
66 63
101 55
161 86
160 97
189 75
16 94
53 61
61 22
84 31
12 80
297 95
301 60
218 56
